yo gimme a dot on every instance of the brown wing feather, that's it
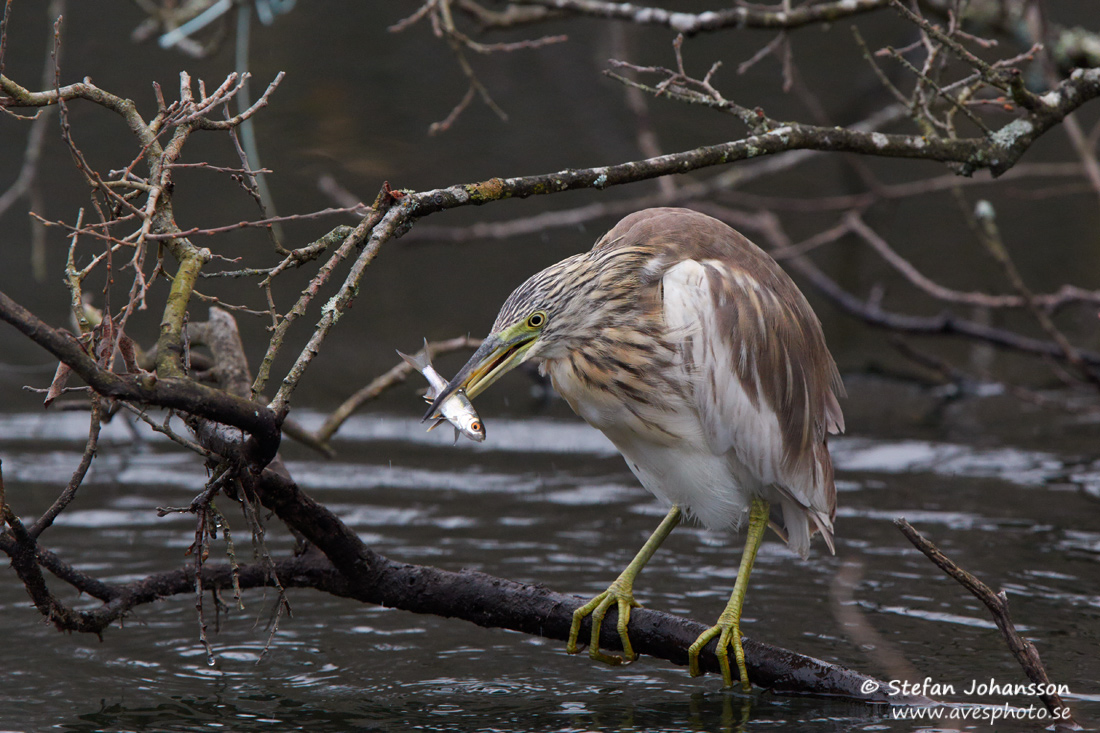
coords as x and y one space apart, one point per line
797 376
780 356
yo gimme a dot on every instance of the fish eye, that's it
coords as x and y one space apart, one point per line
475 426
536 319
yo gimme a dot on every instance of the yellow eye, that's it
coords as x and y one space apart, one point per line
475 426
536 319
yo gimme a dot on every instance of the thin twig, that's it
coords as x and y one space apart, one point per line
166 430
914 276
209 231
1009 81
75 481
990 237
958 105
997 603
380 384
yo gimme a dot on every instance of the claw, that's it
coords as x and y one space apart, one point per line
619 593
729 634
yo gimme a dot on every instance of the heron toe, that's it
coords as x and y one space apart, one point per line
729 634
728 628
620 593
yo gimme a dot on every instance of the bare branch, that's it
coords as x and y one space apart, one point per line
208 124
1008 80
990 236
712 20
997 603
69 492
380 384
985 300
180 393
350 242
413 19
261 223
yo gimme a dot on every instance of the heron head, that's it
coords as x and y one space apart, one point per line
538 320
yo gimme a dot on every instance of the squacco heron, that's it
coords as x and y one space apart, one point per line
692 350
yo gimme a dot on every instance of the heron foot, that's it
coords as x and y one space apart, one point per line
728 632
621 593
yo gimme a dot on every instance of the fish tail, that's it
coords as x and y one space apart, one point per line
419 362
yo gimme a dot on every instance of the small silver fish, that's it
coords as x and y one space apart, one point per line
457 410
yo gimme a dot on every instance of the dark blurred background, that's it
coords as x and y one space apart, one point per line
356 106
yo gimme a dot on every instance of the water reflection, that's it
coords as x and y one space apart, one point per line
447 705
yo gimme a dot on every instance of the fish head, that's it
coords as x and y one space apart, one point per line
470 425
498 354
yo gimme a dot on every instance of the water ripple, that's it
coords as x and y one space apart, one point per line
1029 468
527 435
950 618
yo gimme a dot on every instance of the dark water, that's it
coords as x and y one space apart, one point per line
546 500
1007 490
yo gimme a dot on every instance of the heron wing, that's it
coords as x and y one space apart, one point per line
765 386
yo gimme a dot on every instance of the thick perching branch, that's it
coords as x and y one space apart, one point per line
173 392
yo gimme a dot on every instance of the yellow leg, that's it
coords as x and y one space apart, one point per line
620 592
728 628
